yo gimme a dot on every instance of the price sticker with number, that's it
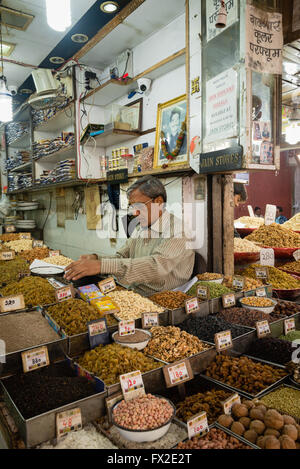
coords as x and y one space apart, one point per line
54 253
238 282
35 359
263 329
36 243
229 403
262 273
297 255
69 421
150 320
228 300
11 303
267 257
132 385
203 292
270 214
126 328
7 255
223 340
55 284
192 306
65 293
107 285
10 229
289 325
98 332
198 425
25 235
261 292
178 373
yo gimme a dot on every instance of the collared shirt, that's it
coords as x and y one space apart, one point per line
154 259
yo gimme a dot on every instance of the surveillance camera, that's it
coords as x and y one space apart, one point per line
144 84
13 89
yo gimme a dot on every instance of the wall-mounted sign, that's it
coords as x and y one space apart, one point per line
117 177
219 161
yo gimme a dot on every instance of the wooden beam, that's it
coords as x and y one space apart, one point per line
228 225
105 30
217 234
160 64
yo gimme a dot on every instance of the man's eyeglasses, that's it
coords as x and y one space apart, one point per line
138 206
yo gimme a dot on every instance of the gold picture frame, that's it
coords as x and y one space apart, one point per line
170 116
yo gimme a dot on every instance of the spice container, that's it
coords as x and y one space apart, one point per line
266 305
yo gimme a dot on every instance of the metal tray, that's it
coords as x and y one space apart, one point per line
275 389
42 427
277 327
13 360
245 393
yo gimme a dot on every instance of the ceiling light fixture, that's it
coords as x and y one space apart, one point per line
57 60
58 14
7 48
80 38
109 7
6 111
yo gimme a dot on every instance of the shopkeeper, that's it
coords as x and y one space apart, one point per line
156 257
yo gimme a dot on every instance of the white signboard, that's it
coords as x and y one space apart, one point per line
221 108
264 40
212 10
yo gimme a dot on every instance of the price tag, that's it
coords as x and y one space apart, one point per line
203 292
178 373
297 255
34 359
65 293
107 285
126 327
54 253
262 273
55 284
228 403
7 255
25 235
37 243
10 229
228 300
132 385
69 421
149 320
261 292
267 257
223 340
192 306
289 325
198 425
263 329
270 214
98 333
238 282
12 303
250 210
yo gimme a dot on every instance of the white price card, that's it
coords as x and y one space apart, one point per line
261 292
25 235
267 257
126 327
262 328
289 325
203 292
229 403
107 285
55 284
132 385
297 255
192 306
250 210
223 340
11 303
69 421
262 273
198 425
270 214
150 320
97 327
7 255
238 282
54 253
64 293
35 359
10 229
36 243
228 300
178 373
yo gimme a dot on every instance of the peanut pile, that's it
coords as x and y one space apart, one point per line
242 245
132 305
19 245
58 260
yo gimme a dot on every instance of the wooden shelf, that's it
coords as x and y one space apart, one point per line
164 66
109 92
114 137
22 167
57 156
58 121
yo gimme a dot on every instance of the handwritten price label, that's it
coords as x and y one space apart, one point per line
7 255
64 293
289 325
132 385
198 425
203 292
107 285
267 257
69 421
37 243
10 229
34 359
228 300
297 255
228 404
150 320
25 236
261 292
192 306
263 329
262 273
238 282
178 373
223 340
270 214
12 303
98 327
55 284
126 327
54 253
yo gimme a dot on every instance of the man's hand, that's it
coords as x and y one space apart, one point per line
82 268
89 257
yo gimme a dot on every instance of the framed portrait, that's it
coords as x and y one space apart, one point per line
170 116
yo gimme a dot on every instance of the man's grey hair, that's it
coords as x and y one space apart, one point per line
150 186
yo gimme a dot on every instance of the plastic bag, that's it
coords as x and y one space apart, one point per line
5 206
